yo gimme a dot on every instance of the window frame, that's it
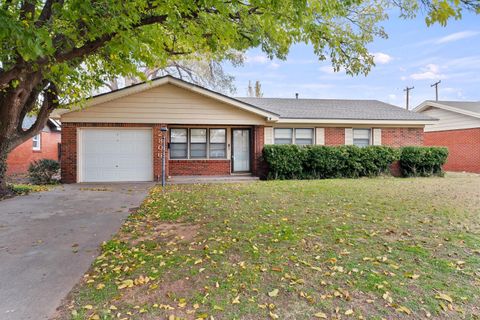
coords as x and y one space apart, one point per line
190 143
210 143
207 143
312 130
291 137
370 140
37 142
182 143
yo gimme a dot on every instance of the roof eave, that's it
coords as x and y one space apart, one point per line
179 83
427 104
421 122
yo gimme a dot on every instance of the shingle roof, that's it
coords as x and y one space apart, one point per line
472 106
334 109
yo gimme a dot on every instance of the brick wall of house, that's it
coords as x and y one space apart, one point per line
199 167
69 147
334 136
20 158
400 137
463 146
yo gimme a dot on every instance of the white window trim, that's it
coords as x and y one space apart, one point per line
294 135
38 141
207 144
370 136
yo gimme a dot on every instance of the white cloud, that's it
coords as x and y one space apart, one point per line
457 36
430 72
274 65
381 58
259 58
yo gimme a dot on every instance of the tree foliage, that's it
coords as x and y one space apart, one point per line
57 51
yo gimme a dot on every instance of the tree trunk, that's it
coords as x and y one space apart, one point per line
4 190
15 103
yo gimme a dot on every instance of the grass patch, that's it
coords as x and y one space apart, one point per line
376 248
23 189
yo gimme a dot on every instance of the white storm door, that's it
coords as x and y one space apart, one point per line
241 150
110 155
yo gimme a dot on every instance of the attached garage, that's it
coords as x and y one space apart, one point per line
115 154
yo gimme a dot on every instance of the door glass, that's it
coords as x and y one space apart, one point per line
241 150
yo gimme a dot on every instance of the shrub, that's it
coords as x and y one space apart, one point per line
320 162
284 161
44 171
422 161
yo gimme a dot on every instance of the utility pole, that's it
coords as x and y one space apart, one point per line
407 90
436 88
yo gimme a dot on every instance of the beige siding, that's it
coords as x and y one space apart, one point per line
320 136
348 136
165 104
377 137
448 120
268 135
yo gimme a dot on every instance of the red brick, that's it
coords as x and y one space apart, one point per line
401 137
173 167
20 158
463 146
334 136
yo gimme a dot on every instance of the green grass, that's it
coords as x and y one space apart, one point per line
376 248
21 189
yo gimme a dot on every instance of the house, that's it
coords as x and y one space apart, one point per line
117 136
44 145
458 128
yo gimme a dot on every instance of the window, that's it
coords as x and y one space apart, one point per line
178 143
361 137
283 136
218 143
198 143
303 137
36 142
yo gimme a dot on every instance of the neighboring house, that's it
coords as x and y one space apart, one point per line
117 136
44 145
458 128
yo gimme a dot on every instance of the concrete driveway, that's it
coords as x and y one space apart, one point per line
49 239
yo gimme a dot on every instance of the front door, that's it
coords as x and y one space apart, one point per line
241 150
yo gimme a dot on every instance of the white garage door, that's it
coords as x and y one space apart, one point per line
116 155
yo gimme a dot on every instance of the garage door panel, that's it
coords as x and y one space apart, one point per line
116 155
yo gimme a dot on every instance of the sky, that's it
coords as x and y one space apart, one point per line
413 55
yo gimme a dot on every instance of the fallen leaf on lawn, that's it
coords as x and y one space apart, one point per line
273 315
404 310
126 284
88 307
273 293
320 315
100 286
236 300
443 296
349 312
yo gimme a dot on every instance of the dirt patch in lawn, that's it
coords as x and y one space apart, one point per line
164 232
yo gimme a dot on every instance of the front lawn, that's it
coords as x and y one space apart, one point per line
366 248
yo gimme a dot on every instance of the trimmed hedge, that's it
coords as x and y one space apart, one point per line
422 161
322 162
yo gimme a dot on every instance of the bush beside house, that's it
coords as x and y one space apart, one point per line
322 162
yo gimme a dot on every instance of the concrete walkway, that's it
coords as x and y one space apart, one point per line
49 239
211 179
